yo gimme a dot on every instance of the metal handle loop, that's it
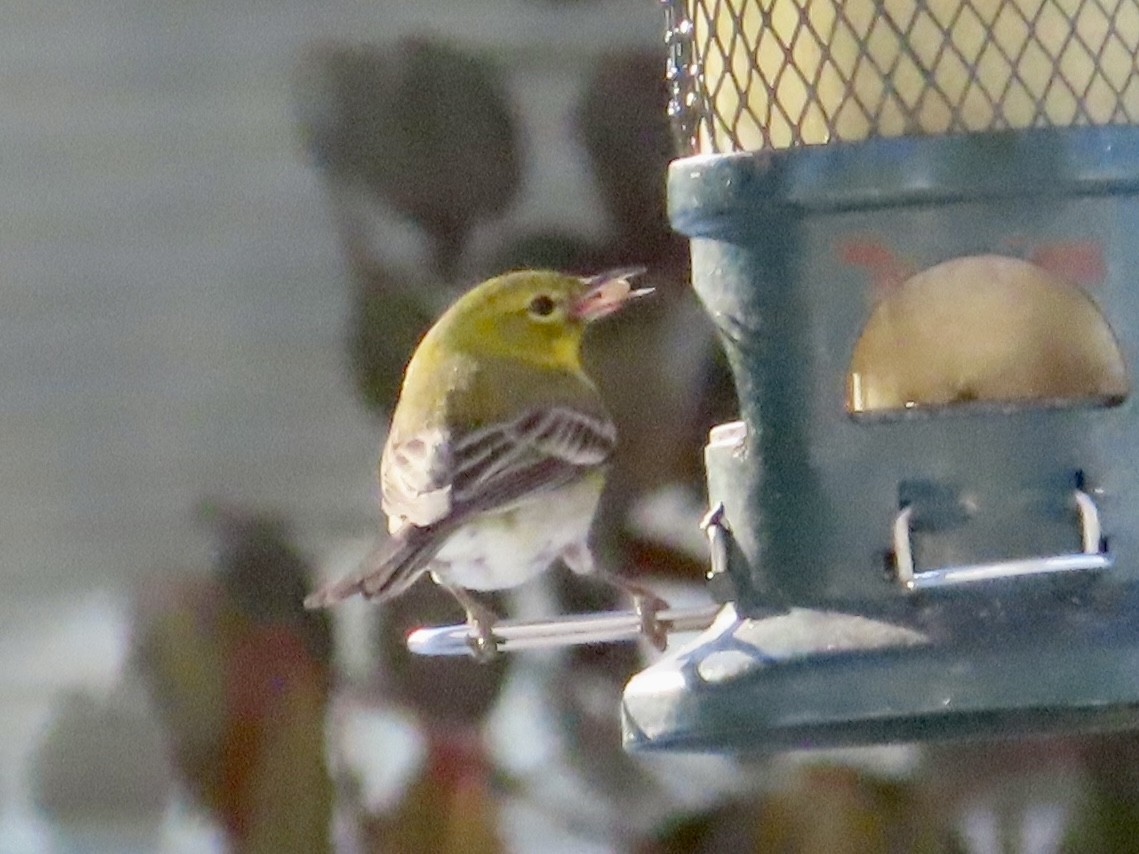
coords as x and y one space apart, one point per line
1091 558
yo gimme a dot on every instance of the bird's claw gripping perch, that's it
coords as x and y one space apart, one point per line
647 607
482 641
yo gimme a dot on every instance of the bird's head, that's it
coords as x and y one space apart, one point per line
537 315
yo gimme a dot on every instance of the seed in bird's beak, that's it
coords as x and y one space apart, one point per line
608 292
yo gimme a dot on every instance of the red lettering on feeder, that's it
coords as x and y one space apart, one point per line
887 271
1078 261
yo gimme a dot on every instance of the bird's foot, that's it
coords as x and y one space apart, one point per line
481 639
647 605
480 620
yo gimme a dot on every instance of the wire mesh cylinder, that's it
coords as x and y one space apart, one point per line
750 75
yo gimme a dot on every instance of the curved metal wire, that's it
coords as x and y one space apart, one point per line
760 74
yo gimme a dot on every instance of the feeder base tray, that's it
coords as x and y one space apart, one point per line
815 678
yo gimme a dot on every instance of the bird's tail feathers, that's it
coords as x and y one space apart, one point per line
389 568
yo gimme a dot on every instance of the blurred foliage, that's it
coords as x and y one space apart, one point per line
443 692
584 694
841 810
423 125
622 124
1108 820
387 322
101 761
451 805
450 808
240 677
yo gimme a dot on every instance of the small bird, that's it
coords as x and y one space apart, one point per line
498 449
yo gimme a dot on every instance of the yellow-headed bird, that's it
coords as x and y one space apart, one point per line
498 448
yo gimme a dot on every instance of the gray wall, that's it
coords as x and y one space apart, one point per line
174 298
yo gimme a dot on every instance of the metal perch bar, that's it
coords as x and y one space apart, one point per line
570 630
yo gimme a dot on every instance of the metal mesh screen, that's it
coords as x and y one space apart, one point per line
760 74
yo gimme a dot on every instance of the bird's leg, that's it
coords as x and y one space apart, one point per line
481 619
646 604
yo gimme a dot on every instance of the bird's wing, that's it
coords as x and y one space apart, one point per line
447 483
415 478
544 448
433 476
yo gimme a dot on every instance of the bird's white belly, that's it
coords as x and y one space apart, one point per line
512 546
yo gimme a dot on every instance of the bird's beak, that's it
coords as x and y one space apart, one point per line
607 292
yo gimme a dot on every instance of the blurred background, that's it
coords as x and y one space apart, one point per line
223 227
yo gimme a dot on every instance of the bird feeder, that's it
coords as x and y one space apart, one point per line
915 224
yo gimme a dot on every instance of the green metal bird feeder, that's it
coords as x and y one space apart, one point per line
915 224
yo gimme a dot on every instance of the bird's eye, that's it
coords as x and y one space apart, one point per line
541 306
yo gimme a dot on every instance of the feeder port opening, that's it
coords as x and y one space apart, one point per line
984 332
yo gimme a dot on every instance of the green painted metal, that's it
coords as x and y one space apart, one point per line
811 494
